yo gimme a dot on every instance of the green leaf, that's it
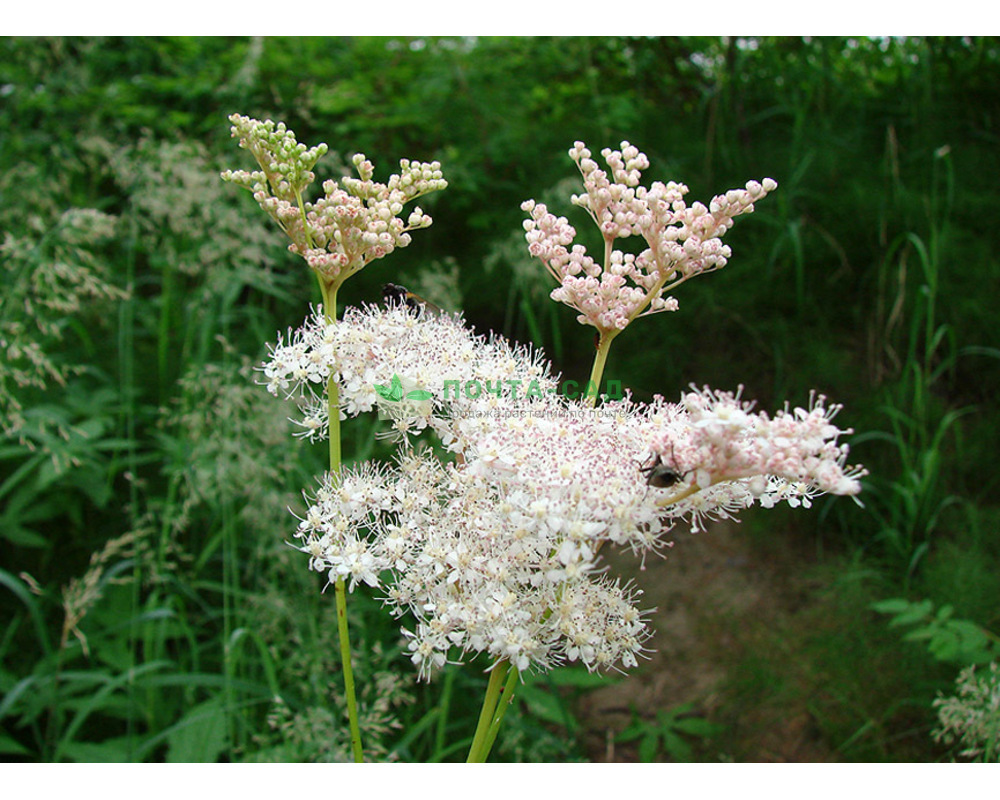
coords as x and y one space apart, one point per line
543 705
648 747
200 736
914 613
676 747
579 677
110 751
633 731
894 605
393 392
21 591
22 537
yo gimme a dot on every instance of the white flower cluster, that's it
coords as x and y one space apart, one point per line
682 241
478 568
351 225
498 552
435 353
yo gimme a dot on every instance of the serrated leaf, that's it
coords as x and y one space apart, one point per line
200 736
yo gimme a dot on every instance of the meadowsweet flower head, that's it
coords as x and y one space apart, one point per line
285 164
681 240
499 552
357 220
580 469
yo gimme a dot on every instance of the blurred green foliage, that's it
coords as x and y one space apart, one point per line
147 602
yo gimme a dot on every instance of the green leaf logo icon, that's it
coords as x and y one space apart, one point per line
393 392
419 394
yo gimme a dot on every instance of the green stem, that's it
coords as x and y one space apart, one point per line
340 592
506 700
603 343
333 392
479 750
305 231
329 292
600 359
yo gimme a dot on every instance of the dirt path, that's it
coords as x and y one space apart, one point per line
715 594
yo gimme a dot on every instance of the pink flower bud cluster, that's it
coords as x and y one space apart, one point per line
681 240
719 455
352 224
790 456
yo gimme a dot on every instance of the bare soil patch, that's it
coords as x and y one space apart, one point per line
717 596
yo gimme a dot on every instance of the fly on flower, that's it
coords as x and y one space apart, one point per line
394 294
661 476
